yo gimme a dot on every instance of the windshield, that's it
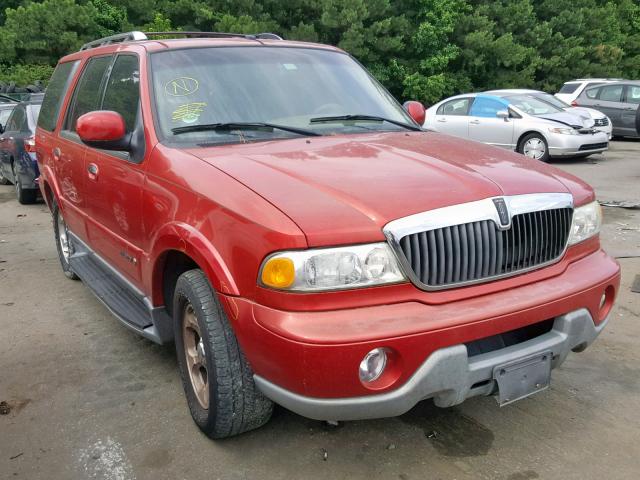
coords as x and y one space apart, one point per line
532 105
281 86
553 100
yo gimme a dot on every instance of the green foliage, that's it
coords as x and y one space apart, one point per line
25 74
420 49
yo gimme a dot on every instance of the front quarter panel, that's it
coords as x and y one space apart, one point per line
193 207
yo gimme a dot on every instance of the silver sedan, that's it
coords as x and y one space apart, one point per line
517 122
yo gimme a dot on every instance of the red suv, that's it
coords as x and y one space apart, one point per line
270 207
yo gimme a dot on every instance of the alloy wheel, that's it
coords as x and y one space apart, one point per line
195 356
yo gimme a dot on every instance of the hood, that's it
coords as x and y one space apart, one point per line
344 189
575 119
585 112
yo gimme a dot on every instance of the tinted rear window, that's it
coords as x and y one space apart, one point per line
56 91
569 87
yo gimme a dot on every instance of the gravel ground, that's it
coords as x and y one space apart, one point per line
90 400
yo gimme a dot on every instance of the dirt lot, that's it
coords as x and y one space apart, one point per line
90 400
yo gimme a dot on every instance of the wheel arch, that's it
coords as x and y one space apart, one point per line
528 132
179 249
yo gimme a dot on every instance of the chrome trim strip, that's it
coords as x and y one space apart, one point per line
470 212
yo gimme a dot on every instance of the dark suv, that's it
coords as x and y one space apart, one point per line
272 208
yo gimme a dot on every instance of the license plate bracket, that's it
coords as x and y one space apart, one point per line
523 377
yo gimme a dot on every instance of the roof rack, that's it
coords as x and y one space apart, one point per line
119 38
137 36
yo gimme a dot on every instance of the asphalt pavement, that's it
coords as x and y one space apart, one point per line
88 399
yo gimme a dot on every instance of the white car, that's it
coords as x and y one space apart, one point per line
517 122
572 89
600 121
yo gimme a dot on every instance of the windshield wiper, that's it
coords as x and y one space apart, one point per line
372 118
225 127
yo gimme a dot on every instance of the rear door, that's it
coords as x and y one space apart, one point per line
46 139
486 127
114 181
609 102
452 117
629 115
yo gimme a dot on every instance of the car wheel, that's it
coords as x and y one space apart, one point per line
63 241
534 146
3 180
25 197
217 379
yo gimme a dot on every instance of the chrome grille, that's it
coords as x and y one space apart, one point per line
444 256
601 122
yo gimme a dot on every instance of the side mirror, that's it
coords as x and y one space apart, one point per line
1 129
104 129
416 111
502 114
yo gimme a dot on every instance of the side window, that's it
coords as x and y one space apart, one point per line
459 106
56 91
611 93
633 94
86 97
4 116
16 120
592 93
123 89
486 107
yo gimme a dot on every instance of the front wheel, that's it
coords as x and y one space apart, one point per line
534 146
217 379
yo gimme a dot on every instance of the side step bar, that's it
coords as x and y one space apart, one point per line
122 298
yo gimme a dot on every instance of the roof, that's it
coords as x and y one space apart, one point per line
192 40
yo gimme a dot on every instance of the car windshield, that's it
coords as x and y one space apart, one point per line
286 87
532 106
555 101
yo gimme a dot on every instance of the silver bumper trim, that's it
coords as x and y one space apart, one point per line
448 375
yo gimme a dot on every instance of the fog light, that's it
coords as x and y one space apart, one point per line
373 365
603 299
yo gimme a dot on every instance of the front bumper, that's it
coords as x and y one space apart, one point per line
314 353
449 375
561 145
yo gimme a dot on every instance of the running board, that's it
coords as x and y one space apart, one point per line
120 297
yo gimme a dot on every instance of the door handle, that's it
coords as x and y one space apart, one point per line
443 120
474 122
92 170
56 153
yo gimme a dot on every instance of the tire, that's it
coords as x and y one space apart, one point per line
537 143
63 252
217 379
3 179
25 197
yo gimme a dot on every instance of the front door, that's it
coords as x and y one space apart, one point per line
115 180
629 113
485 126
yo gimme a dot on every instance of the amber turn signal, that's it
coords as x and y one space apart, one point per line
278 273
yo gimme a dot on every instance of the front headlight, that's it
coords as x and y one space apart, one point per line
586 222
564 131
331 268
